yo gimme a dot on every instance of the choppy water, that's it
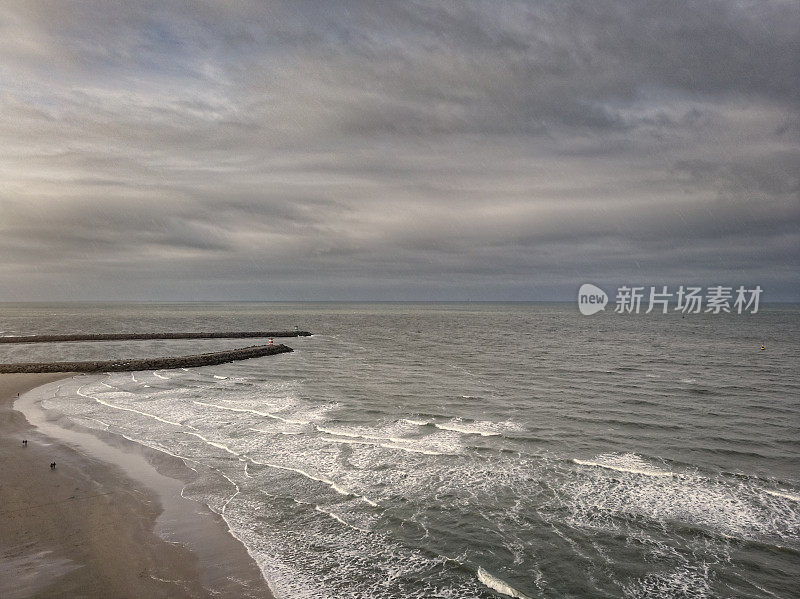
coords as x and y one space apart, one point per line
458 450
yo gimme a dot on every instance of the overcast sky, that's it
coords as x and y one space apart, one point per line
396 150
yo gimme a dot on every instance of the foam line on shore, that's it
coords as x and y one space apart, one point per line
320 479
623 468
116 407
256 412
213 443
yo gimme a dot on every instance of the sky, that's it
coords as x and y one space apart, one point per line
511 151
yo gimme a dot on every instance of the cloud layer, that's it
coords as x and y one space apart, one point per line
218 150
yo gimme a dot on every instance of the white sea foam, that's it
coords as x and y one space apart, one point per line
289 420
251 411
402 447
213 443
300 471
235 493
116 407
783 494
733 509
416 422
484 429
166 378
386 437
630 463
691 582
340 490
318 478
216 376
399 444
339 519
344 433
233 409
501 586
349 441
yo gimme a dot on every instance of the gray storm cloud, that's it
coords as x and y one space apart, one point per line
510 151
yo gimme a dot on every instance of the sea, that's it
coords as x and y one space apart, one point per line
467 450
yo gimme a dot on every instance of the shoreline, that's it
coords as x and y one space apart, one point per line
107 521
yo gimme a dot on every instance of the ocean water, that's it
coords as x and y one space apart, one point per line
470 450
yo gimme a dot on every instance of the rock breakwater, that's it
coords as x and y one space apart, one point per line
192 361
144 336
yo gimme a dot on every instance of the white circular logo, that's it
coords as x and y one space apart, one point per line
591 299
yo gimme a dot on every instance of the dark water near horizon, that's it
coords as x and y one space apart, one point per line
470 450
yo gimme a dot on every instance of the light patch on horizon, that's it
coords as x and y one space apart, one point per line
404 151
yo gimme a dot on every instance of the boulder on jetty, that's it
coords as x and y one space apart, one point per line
210 359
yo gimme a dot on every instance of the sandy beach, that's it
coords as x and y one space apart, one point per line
87 528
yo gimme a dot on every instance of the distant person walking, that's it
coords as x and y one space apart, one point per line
52 465
24 442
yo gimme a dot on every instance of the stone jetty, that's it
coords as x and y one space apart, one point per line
210 359
140 336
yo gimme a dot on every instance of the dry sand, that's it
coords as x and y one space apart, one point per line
86 529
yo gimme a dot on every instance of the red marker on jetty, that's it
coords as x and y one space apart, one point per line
270 340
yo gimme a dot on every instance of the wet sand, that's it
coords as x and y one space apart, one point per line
88 528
